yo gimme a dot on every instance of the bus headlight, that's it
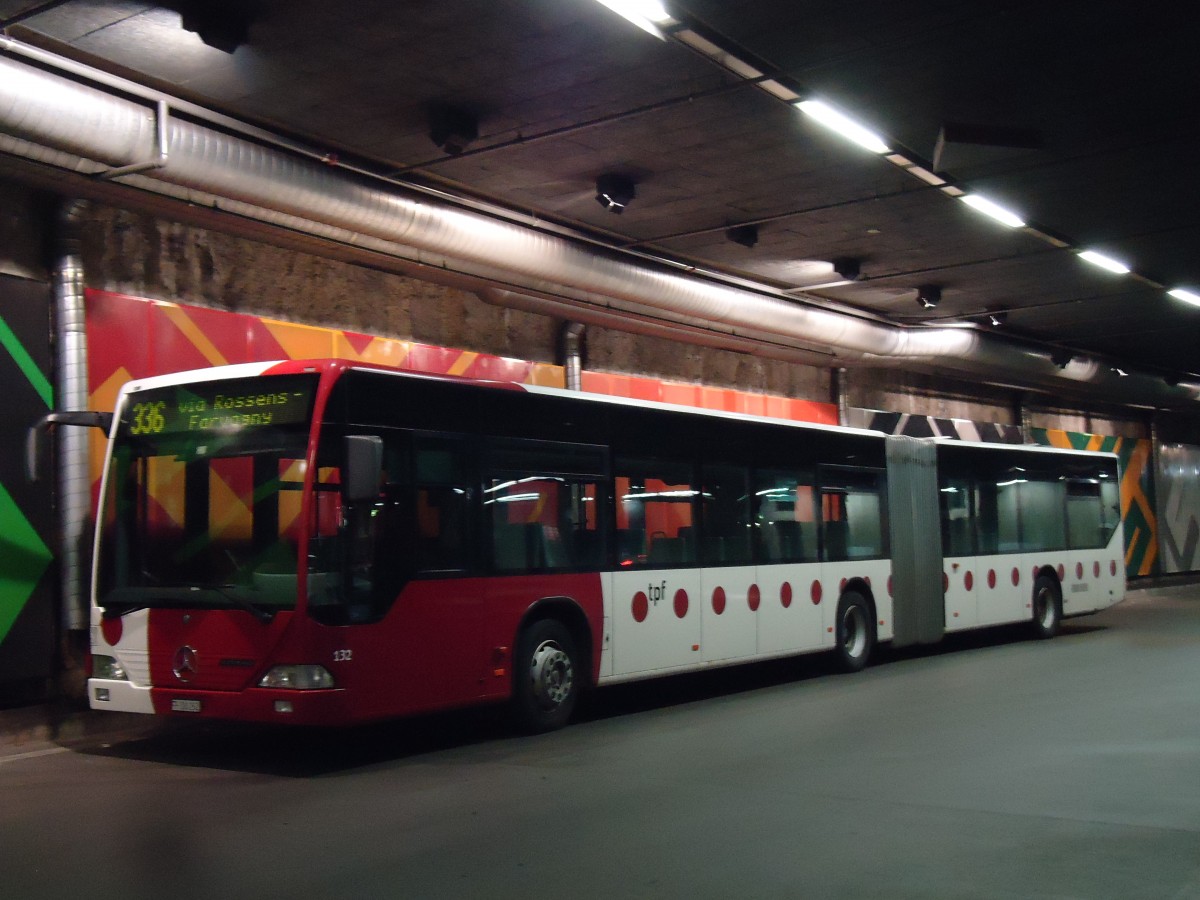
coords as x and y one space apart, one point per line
108 667
297 678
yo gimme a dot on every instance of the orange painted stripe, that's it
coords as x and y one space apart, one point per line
1129 551
464 362
193 333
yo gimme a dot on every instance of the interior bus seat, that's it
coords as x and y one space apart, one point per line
666 551
791 540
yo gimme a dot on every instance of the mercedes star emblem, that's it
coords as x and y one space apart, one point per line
184 664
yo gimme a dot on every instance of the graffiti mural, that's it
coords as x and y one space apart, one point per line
1137 490
1179 507
28 577
932 426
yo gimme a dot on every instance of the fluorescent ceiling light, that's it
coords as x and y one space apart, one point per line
645 14
846 127
1104 262
1186 296
995 210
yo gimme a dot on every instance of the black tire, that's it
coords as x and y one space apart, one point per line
1047 608
546 677
855 632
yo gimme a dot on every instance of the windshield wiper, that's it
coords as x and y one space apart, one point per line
263 615
128 599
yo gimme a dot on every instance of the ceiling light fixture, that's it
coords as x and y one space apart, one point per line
929 296
994 210
997 319
1186 296
843 125
1104 262
1121 372
647 15
221 24
746 235
452 129
614 192
848 267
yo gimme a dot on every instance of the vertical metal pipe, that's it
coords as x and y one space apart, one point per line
1024 418
572 337
74 480
840 395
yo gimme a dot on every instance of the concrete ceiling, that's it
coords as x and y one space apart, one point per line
565 90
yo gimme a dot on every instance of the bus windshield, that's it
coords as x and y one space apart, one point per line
203 497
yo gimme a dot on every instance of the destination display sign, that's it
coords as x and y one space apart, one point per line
220 406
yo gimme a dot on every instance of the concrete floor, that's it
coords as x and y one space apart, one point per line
991 767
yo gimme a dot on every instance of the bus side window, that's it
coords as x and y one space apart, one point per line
785 522
441 508
655 513
543 502
725 501
852 513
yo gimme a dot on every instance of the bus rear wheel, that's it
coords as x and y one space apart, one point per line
547 677
855 632
1047 607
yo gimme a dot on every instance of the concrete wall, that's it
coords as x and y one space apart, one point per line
134 253
25 217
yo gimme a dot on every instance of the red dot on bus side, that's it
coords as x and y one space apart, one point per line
1112 567
785 594
641 607
1096 569
968 581
815 593
112 630
718 600
1034 575
1079 570
753 597
1062 572
945 582
681 603
867 579
1016 576
991 579
842 587
889 585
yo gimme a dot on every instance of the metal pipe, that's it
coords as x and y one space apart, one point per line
572 337
74 479
840 394
650 327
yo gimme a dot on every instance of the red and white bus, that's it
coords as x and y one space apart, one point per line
324 542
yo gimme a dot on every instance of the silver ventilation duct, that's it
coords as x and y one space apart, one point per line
62 123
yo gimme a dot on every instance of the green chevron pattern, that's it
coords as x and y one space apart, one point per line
25 559
25 363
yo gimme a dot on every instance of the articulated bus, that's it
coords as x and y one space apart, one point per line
324 542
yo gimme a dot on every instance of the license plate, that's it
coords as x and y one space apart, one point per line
180 705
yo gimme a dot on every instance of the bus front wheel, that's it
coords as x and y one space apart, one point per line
1047 607
547 677
855 632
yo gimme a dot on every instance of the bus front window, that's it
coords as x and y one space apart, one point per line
203 498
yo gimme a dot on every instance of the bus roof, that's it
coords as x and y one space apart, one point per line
334 367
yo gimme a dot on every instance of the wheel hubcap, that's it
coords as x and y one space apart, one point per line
854 632
1045 608
551 674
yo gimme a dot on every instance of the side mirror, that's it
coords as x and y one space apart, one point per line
363 466
37 433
